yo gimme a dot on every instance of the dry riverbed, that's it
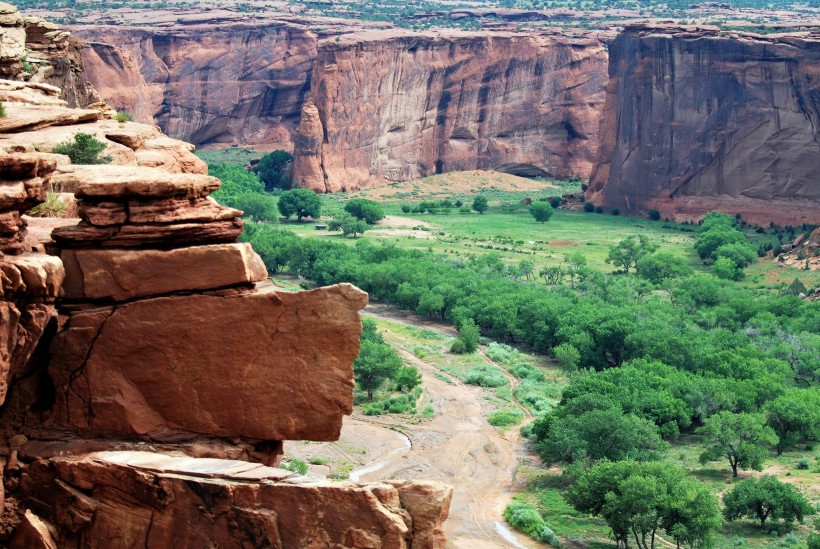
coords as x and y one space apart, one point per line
457 446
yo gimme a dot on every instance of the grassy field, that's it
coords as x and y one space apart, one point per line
508 229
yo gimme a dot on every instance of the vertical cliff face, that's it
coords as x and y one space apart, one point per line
395 108
214 84
697 121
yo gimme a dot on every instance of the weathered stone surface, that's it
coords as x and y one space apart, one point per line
126 274
31 275
697 121
108 181
429 504
526 104
20 117
295 379
148 234
208 84
122 499
20 332
34 533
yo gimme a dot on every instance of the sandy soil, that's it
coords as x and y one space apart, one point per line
447 184
457 446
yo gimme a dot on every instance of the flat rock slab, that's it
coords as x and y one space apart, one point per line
122 275
84 235
121 500
107 181
198 467
21 118
266 366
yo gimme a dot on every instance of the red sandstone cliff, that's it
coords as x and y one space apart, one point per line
216 85
394 107
149 373
696 121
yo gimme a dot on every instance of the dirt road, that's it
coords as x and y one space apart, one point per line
457 446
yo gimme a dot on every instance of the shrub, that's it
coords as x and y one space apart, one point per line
505 418
318 460
464 210
52 207
616 211
480 204
123 117
406 208
589 207
295 465
458 347
555 201
803 464
813 541
526 518
2 110
654 215
83 149
599 210
485 376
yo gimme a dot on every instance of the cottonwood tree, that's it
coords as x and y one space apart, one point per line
365 210
629 251
743 439
480 204
643 499
377 361
765 498
273 170
795 415
300 202
541 211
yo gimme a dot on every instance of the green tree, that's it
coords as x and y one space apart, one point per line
726 269
273 245
765 498
643 499
541 211
273 170
741 253
377 361
600 434
567 356
740 438
349 225
629 251
795 416
406 378
300 202
260 207
365 210
468 336
662 266
83 149
480 204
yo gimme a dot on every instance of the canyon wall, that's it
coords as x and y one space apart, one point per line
696 120
391 108
208 84
367 107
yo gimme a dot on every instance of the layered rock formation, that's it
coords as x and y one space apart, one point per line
40 52
387 108
696 120
368 107
225 84
148 353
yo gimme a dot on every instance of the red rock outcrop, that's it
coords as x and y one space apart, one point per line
39 52
698 121
151 328
399 107
128 499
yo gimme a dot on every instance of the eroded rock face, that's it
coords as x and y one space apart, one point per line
290 360
123 499
212 84
696 121
399 107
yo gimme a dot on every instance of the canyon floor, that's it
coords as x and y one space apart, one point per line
457 446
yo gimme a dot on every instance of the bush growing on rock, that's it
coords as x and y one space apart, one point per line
83 149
